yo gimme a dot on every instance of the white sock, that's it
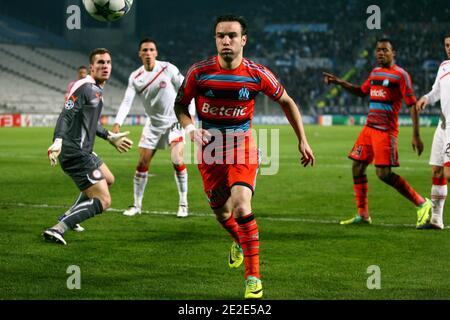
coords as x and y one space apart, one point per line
181 179
61 227
140 181
438 196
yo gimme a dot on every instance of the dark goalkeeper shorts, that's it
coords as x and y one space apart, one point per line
84 169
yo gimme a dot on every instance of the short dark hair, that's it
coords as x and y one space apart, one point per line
381 40
147 40
232 18
81 67
96 52
447 35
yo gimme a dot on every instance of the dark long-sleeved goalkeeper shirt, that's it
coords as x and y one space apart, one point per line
78 123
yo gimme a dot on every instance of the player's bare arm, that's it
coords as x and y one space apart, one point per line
125 107
295 119
183 115
350 87
417 143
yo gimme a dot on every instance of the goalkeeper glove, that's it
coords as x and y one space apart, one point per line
120 141
53 151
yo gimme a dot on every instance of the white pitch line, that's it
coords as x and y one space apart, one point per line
200 214
50 206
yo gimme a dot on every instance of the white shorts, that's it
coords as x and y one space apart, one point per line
157 138
440 151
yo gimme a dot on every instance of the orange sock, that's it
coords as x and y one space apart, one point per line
361 189
232 227
249 240
405 189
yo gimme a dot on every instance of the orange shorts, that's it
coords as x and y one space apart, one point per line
377 147
219 177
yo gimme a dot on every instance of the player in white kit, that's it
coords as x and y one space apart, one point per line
440 152
156 82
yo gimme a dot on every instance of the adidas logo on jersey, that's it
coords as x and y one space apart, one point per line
209 93
224 111
378 93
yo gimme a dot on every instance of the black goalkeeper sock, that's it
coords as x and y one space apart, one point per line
82 197
82 211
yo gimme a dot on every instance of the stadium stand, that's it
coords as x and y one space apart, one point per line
36 67
296 44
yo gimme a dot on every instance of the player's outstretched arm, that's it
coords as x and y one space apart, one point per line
295 119
431 97
125 105
353 89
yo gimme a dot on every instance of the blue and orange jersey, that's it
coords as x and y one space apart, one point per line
387 88
225 99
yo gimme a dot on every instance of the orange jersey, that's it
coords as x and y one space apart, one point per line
225 99
387 88
225 102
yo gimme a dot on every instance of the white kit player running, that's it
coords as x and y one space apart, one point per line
157 83
440 152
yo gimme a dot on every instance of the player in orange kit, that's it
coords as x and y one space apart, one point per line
224 87
387 85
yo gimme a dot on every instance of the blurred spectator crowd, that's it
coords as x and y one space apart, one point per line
296 39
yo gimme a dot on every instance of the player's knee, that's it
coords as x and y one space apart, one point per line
110 180
241 209
145 158
445 175
438 172
142 166
222 216
384 176
177 158
358 168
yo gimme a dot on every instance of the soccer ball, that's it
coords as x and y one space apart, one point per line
107 10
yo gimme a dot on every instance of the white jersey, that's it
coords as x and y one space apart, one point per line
157 89
441 90
441 140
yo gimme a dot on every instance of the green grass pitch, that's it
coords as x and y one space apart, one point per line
305 254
